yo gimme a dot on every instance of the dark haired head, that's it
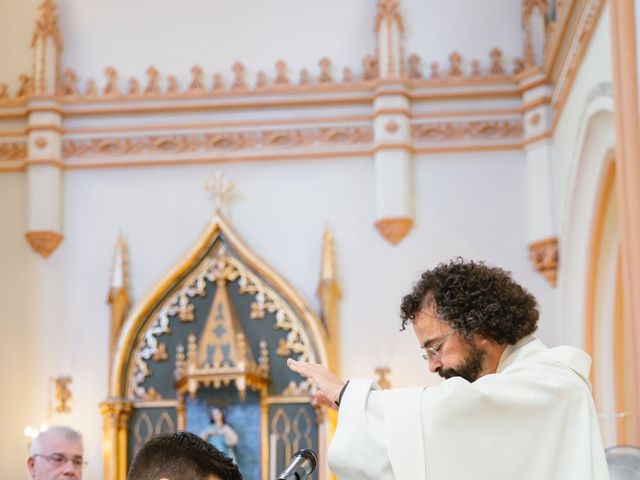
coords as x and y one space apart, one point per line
181 456
474 299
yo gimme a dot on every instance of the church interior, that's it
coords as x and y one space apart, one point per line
192 193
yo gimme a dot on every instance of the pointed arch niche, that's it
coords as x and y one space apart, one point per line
216 331
592 304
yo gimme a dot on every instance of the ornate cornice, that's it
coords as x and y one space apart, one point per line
477 129
220 141
44 243
114 88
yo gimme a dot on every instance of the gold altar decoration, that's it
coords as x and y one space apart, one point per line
118 298
238 365
219 256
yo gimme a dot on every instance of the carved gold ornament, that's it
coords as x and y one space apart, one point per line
40 142
394 229
439 131
544 256
391 127
13 151
62 394
535 119
45 242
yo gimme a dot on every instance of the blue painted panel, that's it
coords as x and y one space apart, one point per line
242 416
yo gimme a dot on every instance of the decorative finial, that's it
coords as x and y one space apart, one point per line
327 272
219 187
47 24
119 272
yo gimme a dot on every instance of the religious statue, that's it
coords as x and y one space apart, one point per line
221 435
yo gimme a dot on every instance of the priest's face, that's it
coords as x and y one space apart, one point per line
448 353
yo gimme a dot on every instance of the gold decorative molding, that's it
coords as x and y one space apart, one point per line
477 129
40 142
13 151
153 144
44 242
544 256
118 298
116 414
394 229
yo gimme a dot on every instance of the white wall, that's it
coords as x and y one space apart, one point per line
17 295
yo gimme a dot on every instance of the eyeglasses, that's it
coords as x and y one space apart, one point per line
433 352
58 460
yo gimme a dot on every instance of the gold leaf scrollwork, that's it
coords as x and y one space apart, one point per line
161 354
221 265
185 310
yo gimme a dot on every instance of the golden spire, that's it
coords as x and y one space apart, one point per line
119 269
118 293
327 270
329 294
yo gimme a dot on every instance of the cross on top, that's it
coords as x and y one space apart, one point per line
219 186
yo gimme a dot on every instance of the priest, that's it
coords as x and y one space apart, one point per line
509 407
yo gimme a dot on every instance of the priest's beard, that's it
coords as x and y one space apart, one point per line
470 368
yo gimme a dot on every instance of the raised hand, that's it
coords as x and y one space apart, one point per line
329 385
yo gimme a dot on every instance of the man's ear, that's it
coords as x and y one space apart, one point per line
31 465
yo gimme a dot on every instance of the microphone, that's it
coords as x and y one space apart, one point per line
301 467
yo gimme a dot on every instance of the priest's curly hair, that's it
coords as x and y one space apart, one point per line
474 299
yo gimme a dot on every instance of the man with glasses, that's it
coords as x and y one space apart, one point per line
509 407
56 454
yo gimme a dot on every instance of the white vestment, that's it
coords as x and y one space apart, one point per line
532 420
